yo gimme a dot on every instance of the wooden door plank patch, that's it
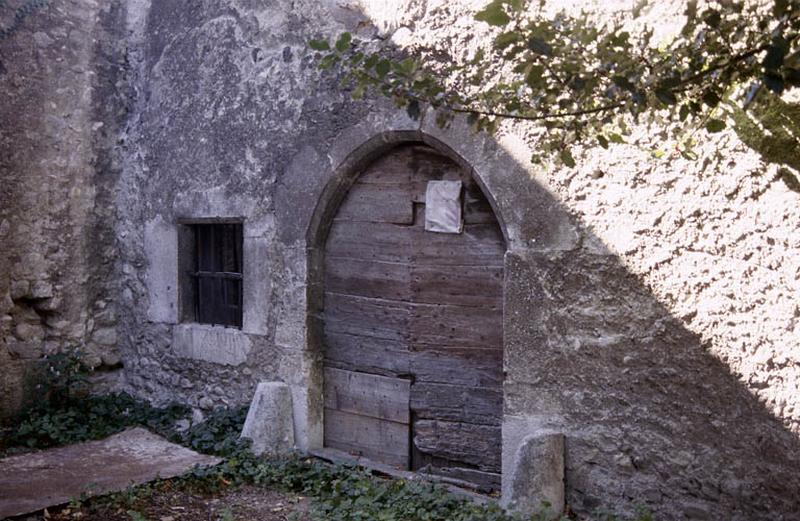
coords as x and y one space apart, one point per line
379 440
370 395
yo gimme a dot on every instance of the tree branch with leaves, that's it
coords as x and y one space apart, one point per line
587 84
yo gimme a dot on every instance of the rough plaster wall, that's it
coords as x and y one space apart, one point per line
58 76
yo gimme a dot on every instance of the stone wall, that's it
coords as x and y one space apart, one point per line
59 74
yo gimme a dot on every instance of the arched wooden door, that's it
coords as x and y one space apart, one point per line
413 336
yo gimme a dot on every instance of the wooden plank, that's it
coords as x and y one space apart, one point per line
478 405
366 354
471 367
368 278
464 326
476 445
384 203
477 245
460 285
369 241
392 168
367 394
379 440
364 316
479 479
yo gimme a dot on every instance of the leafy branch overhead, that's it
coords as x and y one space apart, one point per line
584 83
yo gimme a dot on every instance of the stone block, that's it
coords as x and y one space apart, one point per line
20 289
41 289
111 358
537 477
161 248
217 344
269 421
24 350
29 332
106 336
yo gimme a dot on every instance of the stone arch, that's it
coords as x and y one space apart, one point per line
346 173
332 196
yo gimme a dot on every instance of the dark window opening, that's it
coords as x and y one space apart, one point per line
217 274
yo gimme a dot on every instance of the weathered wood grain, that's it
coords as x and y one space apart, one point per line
367 395
482 480
380 440
369 241
455 403
365 316
367 354
471 367
477 245
460 285
477 445
466 326
368 278
399 300
380 203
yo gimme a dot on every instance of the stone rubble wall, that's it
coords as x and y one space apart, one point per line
58 76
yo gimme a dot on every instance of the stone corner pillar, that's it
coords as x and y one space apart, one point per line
269 421
537 477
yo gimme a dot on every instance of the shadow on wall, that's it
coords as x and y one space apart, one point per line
773 130
651 417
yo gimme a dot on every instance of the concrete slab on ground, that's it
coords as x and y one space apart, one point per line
31 482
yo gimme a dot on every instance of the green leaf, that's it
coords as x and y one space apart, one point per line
534 76
566 158
616 138
776 53
493 14
540 46
413 109
371 61
780 8
666 96
516 5
774 82
319 45
405 67
711 98
382 68
343 43
602 140
623 83
328 61
506 39
712 18
683 113
715 125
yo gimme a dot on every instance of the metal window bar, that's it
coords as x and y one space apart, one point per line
218 274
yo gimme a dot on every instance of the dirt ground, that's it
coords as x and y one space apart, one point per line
167 503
